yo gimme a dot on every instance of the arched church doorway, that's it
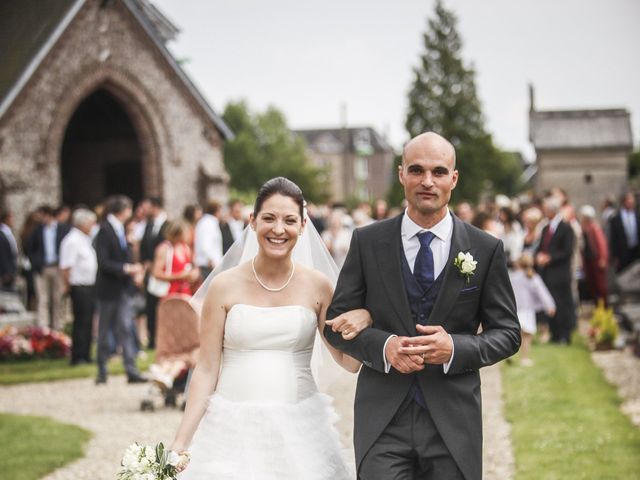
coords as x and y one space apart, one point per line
101 153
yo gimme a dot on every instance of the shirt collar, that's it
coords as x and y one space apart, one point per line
160 219
553 224
115 223
442 229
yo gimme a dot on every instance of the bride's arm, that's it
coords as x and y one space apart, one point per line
341 358
205 375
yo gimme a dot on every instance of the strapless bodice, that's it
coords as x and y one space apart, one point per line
267 353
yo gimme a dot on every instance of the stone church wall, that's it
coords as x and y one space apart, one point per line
106 47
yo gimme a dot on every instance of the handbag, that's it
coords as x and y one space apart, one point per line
160 288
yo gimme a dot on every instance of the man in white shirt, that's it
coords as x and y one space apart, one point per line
79 265
43 250
208 240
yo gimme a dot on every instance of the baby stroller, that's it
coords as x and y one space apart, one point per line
177 344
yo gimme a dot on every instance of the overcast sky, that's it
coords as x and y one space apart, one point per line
307 58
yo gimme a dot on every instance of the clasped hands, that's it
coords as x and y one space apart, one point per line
351 323
409 354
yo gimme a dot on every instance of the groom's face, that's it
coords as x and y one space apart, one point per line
428 174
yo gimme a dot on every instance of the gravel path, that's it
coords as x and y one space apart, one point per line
111 412
498 459
622 369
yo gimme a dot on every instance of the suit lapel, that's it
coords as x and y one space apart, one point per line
453 281
388 258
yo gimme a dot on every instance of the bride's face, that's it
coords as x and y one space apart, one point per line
278 225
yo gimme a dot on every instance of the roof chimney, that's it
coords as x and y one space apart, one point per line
532 107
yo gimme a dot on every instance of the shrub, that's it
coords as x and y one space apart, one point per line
603 326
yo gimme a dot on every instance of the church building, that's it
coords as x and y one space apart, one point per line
92 103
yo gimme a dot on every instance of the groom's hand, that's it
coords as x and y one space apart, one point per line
402 362
434 345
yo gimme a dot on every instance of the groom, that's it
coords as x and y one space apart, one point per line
417 407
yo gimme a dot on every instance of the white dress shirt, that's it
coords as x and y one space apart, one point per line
630 226
117 226
158 222
208 242
49 241
10 238
77 254
236 227
440 246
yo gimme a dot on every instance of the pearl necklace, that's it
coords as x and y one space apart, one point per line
269 289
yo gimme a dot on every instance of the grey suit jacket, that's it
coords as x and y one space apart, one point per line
371 278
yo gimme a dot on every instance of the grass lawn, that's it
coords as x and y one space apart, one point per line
35 446
566 422
15 372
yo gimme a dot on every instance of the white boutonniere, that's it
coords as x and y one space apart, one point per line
466 264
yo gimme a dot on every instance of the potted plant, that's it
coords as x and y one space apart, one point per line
603 329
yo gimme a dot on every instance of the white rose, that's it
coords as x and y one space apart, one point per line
467 267
143 464
150 454
129 460
468 258
461 257
173 458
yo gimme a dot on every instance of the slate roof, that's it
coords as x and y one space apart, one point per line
357 140
30 28
581 129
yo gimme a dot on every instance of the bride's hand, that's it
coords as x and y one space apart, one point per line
185 458
351 323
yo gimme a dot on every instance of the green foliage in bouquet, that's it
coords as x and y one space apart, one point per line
142 462
603 326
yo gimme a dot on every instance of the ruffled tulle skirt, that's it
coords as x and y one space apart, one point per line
268 441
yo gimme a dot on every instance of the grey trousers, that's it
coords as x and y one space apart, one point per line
116 314
410 448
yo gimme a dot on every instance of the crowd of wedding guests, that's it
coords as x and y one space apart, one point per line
103 263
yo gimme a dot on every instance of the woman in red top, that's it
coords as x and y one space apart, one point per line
172 262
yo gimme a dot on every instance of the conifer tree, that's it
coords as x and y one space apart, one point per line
443 99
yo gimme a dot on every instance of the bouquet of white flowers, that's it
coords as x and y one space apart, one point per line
144 462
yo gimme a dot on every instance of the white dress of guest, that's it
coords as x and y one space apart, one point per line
532 296
513 241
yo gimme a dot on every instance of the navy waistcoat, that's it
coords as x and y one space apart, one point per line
421 303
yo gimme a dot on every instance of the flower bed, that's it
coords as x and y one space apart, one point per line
33 342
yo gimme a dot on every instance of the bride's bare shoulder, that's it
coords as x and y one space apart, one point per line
229 278
313 278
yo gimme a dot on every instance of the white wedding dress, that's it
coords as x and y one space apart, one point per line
266 419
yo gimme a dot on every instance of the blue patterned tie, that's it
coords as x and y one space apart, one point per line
123 240
423 268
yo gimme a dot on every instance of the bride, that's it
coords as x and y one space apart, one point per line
253 410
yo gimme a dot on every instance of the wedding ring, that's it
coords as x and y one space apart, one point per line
423 360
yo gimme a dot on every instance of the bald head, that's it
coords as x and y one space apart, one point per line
430 144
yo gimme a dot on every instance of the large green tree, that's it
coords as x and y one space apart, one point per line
443 99
264 148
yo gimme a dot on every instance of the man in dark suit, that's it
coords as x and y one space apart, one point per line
43 250
553 260
114 288
153 236
233 225
624 233
417 407
8 252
